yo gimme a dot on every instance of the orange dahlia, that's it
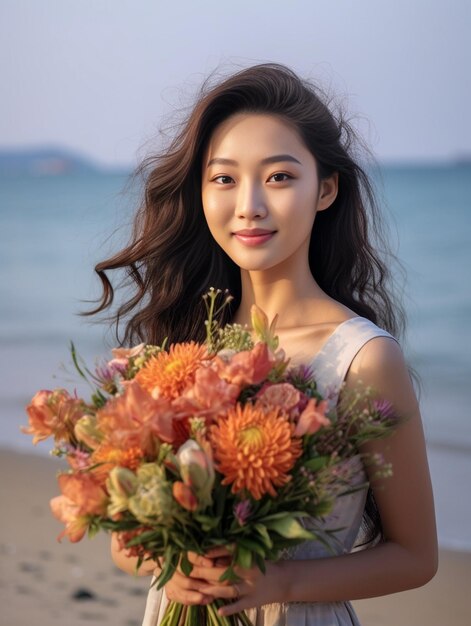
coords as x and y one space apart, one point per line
254 448
168 374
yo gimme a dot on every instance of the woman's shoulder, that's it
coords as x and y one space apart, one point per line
380 364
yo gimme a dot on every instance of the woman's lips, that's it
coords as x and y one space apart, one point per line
254 238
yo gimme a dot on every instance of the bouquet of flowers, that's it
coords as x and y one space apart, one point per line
203 445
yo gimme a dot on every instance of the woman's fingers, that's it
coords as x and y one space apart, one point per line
187 590
218 551
198 559
216 557
227 592
187 596
202 586
208 574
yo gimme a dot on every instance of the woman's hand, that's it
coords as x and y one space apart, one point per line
205 573
254 588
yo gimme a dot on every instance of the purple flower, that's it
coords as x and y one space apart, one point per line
384 408
107 373
300 375
242 511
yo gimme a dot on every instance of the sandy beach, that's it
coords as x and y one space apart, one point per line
43 582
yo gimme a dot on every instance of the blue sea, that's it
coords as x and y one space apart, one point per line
54 229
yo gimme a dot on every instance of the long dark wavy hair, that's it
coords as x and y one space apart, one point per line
172 258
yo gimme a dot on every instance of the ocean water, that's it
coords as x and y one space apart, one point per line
54 229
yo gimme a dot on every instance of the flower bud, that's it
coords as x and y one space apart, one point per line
197 470
121 484
86 431
264 331
184 495
312 418
259 321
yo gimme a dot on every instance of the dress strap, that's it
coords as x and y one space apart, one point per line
332 362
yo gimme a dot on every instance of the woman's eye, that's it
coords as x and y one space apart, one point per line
279 177
224 180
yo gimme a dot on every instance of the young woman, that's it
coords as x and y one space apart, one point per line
260 194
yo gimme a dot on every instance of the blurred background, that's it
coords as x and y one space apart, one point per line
87 88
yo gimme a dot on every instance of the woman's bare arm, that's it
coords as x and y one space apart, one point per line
128 563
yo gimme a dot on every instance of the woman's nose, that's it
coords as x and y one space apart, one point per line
251 202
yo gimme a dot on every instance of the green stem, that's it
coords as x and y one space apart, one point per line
178 614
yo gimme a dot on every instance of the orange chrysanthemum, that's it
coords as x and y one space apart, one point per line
168 374
254 448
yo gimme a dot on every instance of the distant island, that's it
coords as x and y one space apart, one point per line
51 161
44 162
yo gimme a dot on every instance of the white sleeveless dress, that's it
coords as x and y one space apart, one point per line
330 367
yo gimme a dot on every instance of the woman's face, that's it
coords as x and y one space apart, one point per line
261 192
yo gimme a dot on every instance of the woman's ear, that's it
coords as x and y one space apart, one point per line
328 189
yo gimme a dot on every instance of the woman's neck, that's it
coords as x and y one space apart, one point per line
296 299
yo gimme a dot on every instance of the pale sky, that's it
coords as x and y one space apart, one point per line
97 76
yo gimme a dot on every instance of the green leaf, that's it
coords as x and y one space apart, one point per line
275 516
148 535
228 575
289 528
260 563
73 353
281 515
263 532
322 508
250 544
207 522
170 565
99 399
264 509
185 564
316 463
243 557
92 530
179 541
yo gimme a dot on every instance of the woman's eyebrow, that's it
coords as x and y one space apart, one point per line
277 158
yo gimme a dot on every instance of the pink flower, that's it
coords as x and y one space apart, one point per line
312 418
249 367
114 368
53 413
210 395
281 395
85 491
136 419
77 459
66 511
211 390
